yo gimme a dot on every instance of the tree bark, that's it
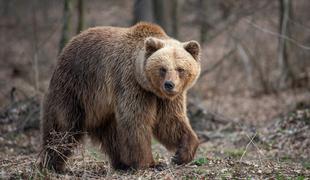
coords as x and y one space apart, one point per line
80 8
35 65
248 66
143 11
66 24
203 21
175 14
161 14
5 7
285 70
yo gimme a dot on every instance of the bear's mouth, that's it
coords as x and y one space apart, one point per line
169 94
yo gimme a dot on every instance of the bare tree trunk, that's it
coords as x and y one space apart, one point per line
66 24
285 70
80 7
248 66
35 51
143 11
175 14
161 14
44 7
5 7
203 20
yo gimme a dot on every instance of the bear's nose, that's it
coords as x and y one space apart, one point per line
169 85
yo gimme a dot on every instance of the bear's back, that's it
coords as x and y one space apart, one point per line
100 54
108 42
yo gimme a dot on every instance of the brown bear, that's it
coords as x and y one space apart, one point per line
121 86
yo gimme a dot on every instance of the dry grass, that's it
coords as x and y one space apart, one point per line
238 151
254 145
87 166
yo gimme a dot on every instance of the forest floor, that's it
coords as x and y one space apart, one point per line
278 148
263 137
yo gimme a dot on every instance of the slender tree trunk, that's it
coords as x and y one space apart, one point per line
80 8
175 14
66 28
143 11
6 7
161 15
35 65
203 20
285 70
248 66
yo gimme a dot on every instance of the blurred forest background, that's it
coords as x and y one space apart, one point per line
255 61
249 47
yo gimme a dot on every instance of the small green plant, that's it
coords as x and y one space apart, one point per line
306 164
38 174
286 158
300 178
200 171
94 154
225 176
200 161
280 176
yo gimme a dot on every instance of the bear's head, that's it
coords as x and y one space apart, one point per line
168 67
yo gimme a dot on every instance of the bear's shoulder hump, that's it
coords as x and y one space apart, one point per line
144 29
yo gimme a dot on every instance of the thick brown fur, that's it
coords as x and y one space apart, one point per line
107 84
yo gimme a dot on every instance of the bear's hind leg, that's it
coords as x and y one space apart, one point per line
58 147
59 140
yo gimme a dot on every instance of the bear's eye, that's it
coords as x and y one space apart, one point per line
162 71
180 70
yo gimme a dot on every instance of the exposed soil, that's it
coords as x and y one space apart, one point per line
279 150
244 136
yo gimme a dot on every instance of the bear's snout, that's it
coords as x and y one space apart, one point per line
169 86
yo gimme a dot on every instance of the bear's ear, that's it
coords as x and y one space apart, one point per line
193 48
151 45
